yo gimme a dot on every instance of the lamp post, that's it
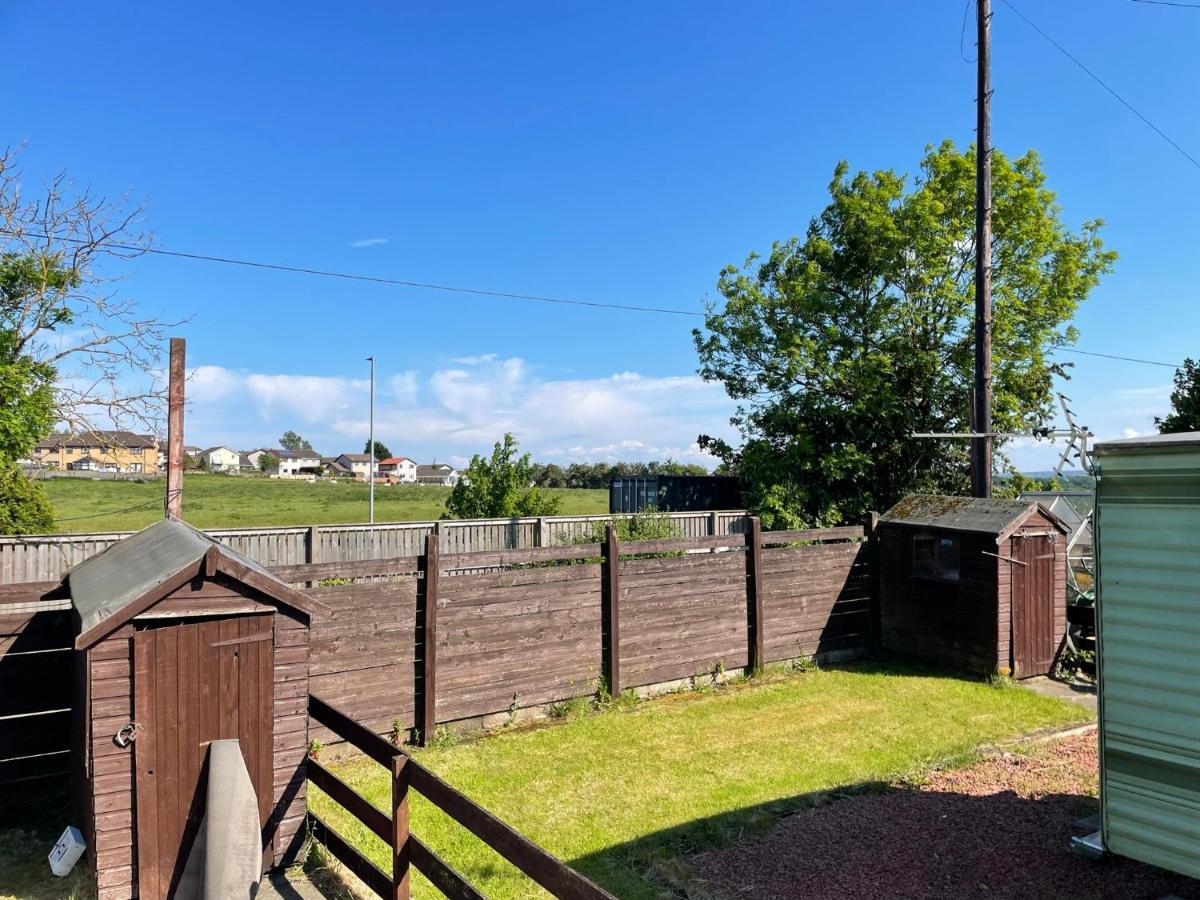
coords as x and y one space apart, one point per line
371 449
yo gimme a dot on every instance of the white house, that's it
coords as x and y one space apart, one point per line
437 473
358 463
220 459
296 463
398 468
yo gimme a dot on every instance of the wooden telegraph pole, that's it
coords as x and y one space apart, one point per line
981 456
175 430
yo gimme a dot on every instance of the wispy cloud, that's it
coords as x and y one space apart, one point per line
370 242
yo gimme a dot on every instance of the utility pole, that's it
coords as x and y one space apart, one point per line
175 378
371 448
981 447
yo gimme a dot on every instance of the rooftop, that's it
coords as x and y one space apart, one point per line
125 439
987 516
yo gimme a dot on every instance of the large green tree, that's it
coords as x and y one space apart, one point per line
501 486
1185 401
839 345
289 440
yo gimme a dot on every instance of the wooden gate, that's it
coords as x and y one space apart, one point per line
195 682
1033 604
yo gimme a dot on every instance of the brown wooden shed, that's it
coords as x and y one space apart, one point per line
181 641
972 583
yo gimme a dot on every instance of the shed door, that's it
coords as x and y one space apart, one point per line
195 682
1033 604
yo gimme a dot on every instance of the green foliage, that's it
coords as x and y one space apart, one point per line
1185 401
499 487
647 525
381 450
598 475
24 507
314 748
1015 484
443 738
840 345
268 463
26 405
289 440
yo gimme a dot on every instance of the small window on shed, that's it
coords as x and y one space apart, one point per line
936 557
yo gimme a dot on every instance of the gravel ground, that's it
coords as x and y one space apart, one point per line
997 829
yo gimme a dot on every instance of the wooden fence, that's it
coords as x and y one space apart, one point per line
44 557
406 848
453 636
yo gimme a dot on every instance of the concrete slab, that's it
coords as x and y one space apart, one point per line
1083 694
290 885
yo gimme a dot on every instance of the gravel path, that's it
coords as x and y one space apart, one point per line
996 829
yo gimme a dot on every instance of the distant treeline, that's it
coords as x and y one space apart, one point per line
597 475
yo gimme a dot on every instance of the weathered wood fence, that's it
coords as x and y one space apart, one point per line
407 849
452 636
43 557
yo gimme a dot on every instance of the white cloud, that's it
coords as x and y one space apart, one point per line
474 360
1131 433
454 412
370 242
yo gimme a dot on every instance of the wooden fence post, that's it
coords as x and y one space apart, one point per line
712 523
539 536
400 846
610 619
875 616
312 550
431 570
754 600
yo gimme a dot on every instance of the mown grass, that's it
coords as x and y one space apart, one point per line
231 501
627 795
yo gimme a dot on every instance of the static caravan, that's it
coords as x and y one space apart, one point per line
1148 634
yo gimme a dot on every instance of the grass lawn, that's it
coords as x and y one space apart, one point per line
231 501
626 796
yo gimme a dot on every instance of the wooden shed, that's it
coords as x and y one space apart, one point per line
974 584
181 641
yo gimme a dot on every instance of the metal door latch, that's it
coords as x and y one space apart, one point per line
127 734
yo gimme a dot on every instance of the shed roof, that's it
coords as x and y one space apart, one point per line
1178 441
132 575
987 516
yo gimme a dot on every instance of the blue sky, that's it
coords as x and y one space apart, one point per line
613 152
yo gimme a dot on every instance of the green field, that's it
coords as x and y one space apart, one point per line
232 501
628 796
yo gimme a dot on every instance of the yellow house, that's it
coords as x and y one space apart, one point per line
100 451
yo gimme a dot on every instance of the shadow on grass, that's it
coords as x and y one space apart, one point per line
29 832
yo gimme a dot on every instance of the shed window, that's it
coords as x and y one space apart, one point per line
936 557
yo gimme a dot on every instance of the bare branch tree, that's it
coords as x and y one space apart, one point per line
59 304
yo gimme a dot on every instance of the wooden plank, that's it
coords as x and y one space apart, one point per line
351 731
369 873
376 820
145 756
431 569
444 878
399 838
846 532
551 873
610 627
519 557
364 568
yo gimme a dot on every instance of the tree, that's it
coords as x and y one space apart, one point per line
1185 401
268 463
841 345
58 309
24 507
289 440
381 450
499 487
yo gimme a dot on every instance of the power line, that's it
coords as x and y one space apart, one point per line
1148 362
395 281
1100 81
1170 3
352 276
157 501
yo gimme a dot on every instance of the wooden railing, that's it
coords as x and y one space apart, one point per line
407 849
